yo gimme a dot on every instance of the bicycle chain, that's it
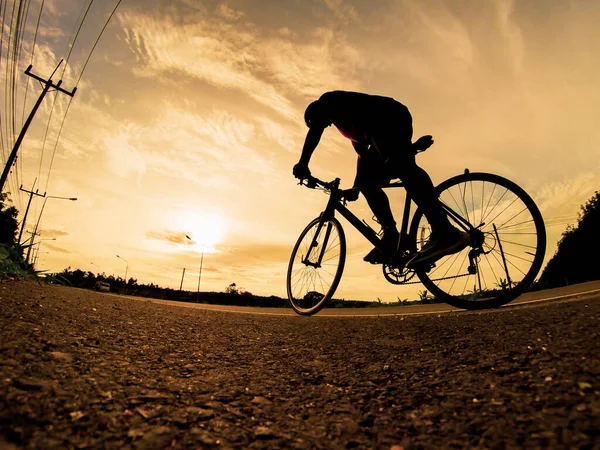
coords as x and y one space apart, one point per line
439 279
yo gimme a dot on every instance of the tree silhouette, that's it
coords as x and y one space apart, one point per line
8 222
576 258
232 289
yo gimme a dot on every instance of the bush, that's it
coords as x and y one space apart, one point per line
576 257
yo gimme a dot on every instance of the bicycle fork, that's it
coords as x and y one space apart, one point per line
325 217
315 243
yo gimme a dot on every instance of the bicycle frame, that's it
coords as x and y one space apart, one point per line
336 203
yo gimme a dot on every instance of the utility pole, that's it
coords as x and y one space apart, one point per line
31 194
182 275
48 84
199 278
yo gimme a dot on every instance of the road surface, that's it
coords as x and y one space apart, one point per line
567 292
82 369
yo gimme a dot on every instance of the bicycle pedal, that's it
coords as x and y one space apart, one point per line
425 267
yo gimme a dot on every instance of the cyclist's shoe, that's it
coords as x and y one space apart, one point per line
438 247
374 256
390 243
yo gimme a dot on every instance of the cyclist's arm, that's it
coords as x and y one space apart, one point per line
359 147
310 143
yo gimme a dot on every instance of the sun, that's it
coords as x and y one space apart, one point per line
205 230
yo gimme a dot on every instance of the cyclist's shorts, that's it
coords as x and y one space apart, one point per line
390 139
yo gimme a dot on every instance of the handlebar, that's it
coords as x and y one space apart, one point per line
330 186
313 182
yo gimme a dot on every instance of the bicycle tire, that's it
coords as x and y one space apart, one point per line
304 281
513 242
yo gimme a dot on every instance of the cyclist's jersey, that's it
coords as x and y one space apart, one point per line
360 116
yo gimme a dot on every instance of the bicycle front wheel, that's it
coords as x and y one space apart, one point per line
316 266
507 248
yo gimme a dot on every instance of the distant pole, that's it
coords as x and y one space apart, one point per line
31 194
199 278
36 257
37 251
47 85
126 267
37 224
182 275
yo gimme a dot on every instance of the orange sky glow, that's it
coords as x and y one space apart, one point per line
189 118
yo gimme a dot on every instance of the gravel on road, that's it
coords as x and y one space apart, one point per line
81 369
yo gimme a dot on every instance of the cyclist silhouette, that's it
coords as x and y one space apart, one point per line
380 129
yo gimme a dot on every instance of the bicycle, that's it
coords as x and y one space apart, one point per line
504 255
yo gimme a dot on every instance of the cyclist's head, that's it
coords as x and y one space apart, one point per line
311 113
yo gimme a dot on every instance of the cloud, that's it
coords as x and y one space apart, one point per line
173 237
342 10
204 149
214 51
560 204
56 248
564 197
511 33
123 157
252 253
325 61
50 233
268 67
229 13
289 140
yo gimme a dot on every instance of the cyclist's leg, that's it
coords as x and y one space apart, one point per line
420 188
370 176
393 141
444 239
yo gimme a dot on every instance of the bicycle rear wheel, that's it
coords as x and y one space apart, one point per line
316 266
507 248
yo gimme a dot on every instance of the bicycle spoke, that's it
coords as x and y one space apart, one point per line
312 280
509 240
520 244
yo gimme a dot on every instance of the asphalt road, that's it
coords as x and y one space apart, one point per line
567 292
82 369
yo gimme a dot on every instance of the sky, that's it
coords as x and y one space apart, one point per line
188 120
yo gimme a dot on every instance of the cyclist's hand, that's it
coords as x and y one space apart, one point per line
301 171
423 143
351 195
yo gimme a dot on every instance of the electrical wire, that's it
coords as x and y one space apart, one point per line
77 84
97 40
9 85
3 13
12 47
19 49
19 166
71 46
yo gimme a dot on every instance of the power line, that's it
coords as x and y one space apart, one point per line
37 26
7 78
97 40
18 59
13 48
71 46
81 19
77 84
